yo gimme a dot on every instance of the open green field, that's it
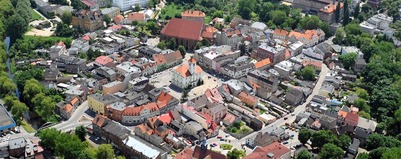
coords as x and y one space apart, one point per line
171 10
36 16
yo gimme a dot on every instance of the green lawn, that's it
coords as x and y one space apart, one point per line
170 10
36 16
226 146
28 127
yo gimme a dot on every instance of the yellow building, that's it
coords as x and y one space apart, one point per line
98 102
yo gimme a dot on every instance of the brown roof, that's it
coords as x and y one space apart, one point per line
276 149
185 154
159 59
67 108
136 16
330 8
193 13
192 60
99 120
200 153
183 29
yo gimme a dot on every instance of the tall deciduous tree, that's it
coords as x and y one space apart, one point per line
18 109
66 17
304 154
81 132
348 59
304 135
309 73
182 50
357 10
105 151
331 151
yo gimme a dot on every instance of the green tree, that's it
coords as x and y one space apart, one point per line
9 100
357 10
69 146
392 153
322 137
339 36
152 26
304 154
66 17
337 12
348 59
344 141
198 45
304 135
107 19
309 73
310 22
182 50
88 153
331 151
246 7
364 114
205 42
105 151
161 45
235 154
48 138
375 141
362 104
18 109
16 27
32 87
137 8
353 29
81 132
363 155
278 16
346 19
77 4
218 13
362 93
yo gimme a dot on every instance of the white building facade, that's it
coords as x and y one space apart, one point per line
125 5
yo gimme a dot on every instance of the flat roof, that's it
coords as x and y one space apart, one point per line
143 147
6 121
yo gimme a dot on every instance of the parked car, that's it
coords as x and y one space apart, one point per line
285 142
219 137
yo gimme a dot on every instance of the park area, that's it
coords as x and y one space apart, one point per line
36 16
239 128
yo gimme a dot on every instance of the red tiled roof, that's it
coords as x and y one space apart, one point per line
185 154
159 58
183 29
67 108
351 117
136 16
103 60
277 149
86 37
165 118
192 60
75 100
193 13
247 98
200 153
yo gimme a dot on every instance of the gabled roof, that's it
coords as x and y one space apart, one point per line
183 29
136 16
275 150
185 154
200 153
280 32
193 13
99 120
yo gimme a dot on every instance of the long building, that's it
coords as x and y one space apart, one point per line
311 6
6 121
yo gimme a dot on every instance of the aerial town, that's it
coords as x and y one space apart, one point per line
200 79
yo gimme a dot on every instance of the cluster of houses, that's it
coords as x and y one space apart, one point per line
20 148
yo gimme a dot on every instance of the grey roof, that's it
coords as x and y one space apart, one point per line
118 106
200 101
367 124
17 143
259 25
116 129
217 108
196 125
105 99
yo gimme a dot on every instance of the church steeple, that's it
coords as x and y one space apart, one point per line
192 65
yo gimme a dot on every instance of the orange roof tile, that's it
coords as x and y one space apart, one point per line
67 108
75 100
159 58
104 60
193 13
165 118
262 63
211 29
342 113
99 120
192 60
183 29
280 32
254 84
118 19
184 72
277 149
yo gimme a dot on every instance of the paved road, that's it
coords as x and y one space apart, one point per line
281 121
76 119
